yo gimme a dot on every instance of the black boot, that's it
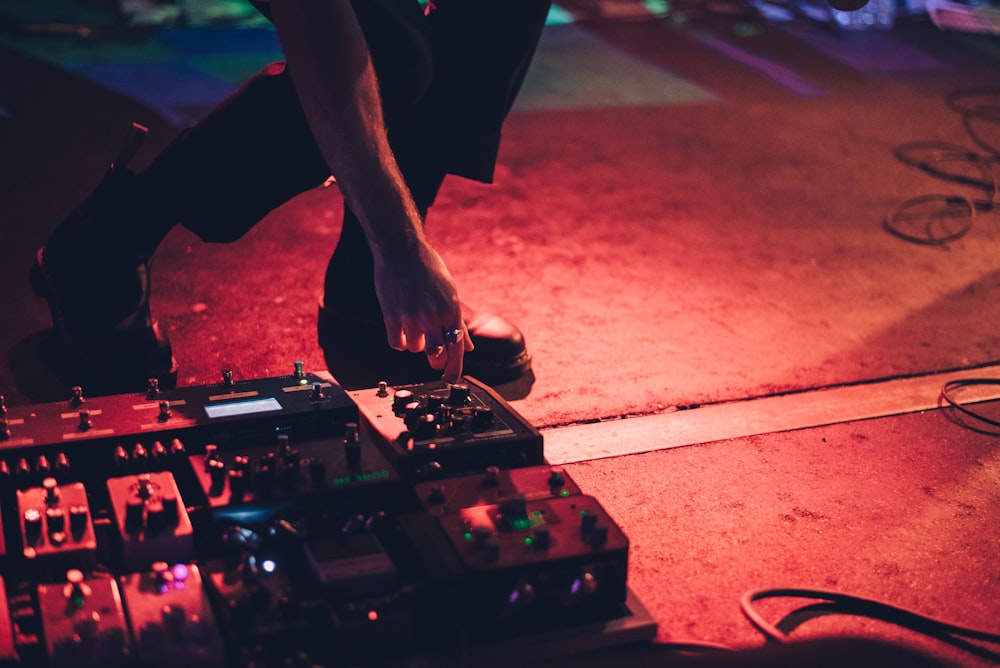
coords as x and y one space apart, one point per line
94 273
351 324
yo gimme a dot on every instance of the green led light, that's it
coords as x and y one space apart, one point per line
529 540
537 513
518 523
564 492
468 535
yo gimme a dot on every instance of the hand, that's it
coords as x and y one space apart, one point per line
421 308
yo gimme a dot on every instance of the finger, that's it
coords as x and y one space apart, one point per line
469 346
394 334
453 364
455 353
437 357
415 343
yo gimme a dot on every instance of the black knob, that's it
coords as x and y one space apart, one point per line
399 401
62 464
121 459
482 419
32 525
426 426
55 520
78 520
159 454
458 395
140 457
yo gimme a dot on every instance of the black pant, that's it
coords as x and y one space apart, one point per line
447 78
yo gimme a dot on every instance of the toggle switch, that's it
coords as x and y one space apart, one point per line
51 487
77 398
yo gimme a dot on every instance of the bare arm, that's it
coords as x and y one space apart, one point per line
331 68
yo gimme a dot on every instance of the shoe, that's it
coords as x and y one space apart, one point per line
500 354
98 292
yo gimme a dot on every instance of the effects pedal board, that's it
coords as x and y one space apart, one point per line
285 521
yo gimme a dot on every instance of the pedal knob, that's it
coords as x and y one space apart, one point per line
482 419
459 395
426 426
556 477
399 400
55 520
159 454
85 422
140 457
76 590
78 520
32 525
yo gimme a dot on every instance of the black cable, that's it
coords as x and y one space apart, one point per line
937 220
838 603
948 391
